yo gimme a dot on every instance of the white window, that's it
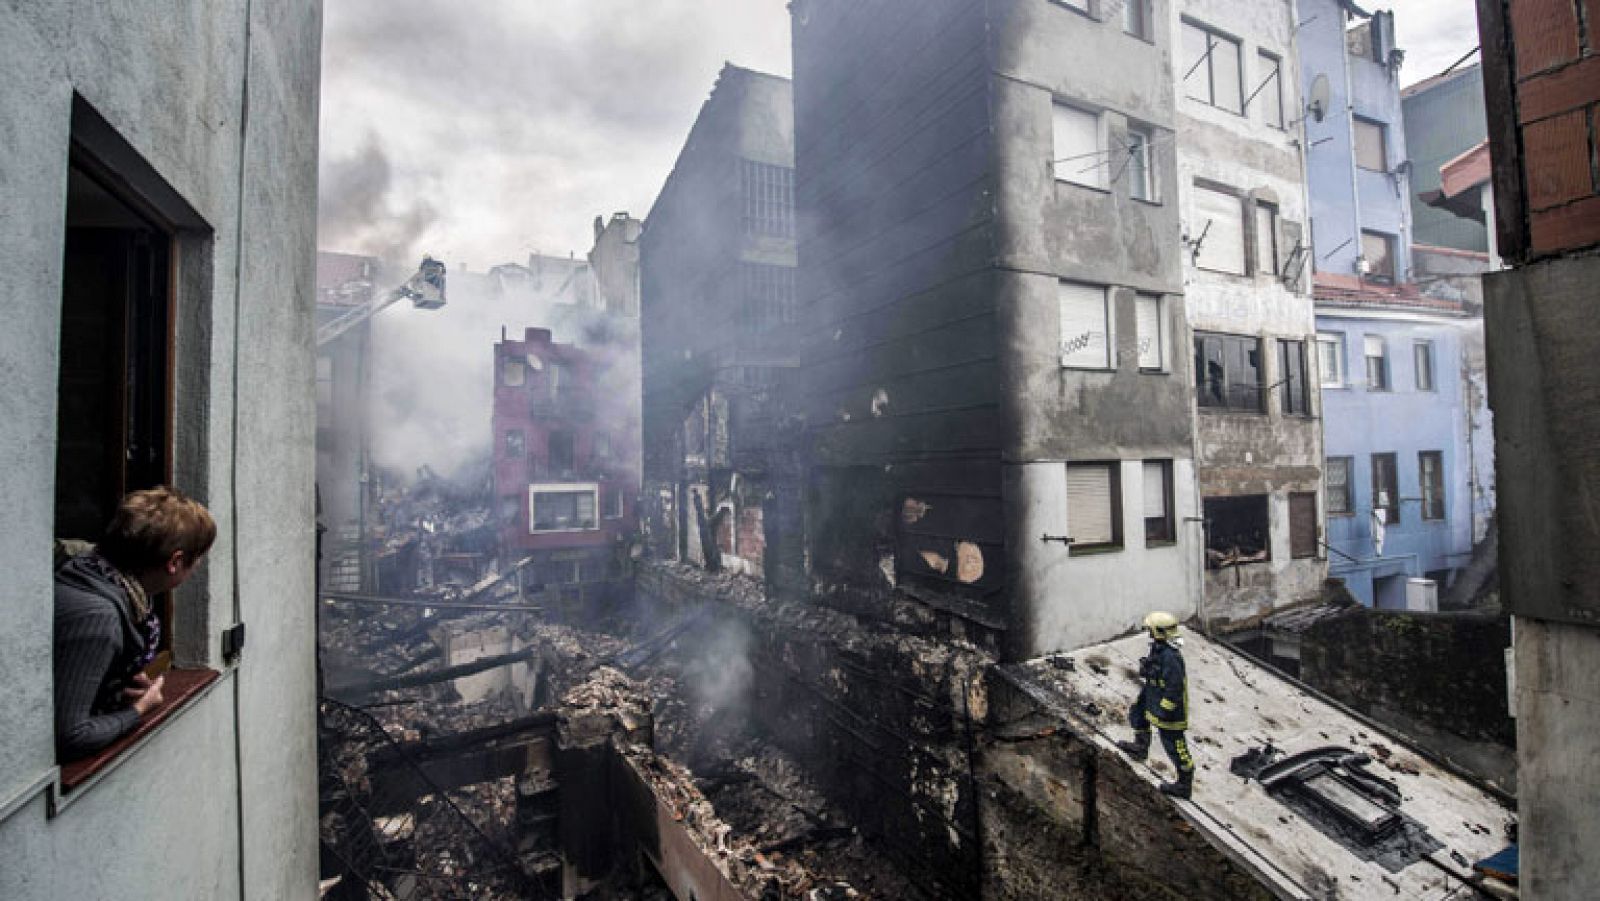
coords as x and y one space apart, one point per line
1219 227
1085 326
1422 354
1140 166
563 507
1330 350
1371 150
1092 507
1136 18
1269 89
1080 147
1152 332
1209 68
1266 239
1377 357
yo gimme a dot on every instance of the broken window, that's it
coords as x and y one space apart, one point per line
1266 238
1209 68
1385 487
1237 530
1422 355
1159 527
561 510
1141 164
1371 148
1269 92
1217 231
1377 252
1094 505
560 451
1377 357
514 444
1228 372
1080 147
768 198
1152 333
1340 498
1302 524
1085 326
1292 379
1330 347
1430 472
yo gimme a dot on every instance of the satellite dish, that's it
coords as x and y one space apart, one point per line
1317 106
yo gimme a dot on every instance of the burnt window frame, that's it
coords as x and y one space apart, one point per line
1209 517
1234 392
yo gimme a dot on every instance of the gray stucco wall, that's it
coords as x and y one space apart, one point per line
174 817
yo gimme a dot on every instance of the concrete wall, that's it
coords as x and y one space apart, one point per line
1405 421
172 80
1270 452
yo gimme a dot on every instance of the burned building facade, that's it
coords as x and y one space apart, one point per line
1258 432
717 283
565 483
995 380
345 282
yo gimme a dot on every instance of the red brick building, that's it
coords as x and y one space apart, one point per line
565 473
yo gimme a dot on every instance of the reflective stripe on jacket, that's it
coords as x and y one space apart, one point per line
1165 695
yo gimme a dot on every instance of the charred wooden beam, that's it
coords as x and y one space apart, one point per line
431 677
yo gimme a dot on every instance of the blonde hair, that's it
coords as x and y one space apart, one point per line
152 525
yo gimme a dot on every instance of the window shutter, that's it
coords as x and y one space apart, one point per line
1223 247
1373 345
1155 489
1078 157
1302 525
1089 504
1085 338
1152 340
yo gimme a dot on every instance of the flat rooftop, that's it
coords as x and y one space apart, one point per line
1237 706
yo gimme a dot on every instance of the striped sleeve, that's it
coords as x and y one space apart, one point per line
85 644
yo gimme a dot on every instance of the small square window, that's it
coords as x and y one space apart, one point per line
1237 531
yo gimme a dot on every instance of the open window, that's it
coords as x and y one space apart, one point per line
1237 531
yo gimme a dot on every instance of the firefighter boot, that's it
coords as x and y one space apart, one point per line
1139 748
1181 788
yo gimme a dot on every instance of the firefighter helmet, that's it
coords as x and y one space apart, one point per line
1161 625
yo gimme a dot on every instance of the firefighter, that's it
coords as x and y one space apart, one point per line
1163 703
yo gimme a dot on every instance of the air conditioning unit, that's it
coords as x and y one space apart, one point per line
1422 595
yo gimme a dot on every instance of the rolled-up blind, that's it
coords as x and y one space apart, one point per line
1089 503
1085 335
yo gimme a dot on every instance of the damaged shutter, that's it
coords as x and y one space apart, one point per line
1222 250
1089 508
1152 337
1085 332
1302 524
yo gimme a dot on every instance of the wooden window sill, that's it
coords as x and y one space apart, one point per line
182 687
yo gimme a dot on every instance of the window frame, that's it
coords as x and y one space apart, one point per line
1385 381
569 454
612 500
1109 319
1237 343
1301 552
1390 254
1167 524
516 444
1202 187
1393 507
1346 492
564 488
1381 129
1293 402
1268 234
767 199
1207 516
1141 28
1276 62
1162 338
1113 469
1422 360
1434 507
1141 162
1340 377
1069 167
1207 63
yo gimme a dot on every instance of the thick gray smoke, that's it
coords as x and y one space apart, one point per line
361 210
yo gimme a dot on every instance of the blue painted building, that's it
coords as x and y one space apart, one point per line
1400 370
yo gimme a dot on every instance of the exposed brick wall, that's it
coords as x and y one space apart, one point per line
1542 87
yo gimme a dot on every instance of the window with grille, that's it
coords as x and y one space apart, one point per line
768 297
1094 508
1079 154
1218 226
1159 525
1422 353
1292 378
1152 334
1385 487
768 198
1336 470
1085 326
1302 524
1228 372
1430 472
1209 68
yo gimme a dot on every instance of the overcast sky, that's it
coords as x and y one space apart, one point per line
483 130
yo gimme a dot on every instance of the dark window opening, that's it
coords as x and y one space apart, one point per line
1341 499
1385 487
1430 465
560 451
1228 372
1237 531
1292 379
